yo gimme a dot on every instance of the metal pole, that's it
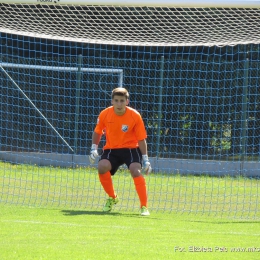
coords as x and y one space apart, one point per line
160 107
120 80
78 83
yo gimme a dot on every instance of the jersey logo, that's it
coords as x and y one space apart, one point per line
124 128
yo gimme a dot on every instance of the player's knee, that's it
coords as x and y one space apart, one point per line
135 170
104 166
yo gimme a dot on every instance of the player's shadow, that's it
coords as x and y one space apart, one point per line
100 213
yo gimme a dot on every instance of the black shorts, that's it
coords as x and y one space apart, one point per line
118 157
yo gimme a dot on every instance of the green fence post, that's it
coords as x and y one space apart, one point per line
160 108
244 116
78 83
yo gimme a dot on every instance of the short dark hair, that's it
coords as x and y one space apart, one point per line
120 92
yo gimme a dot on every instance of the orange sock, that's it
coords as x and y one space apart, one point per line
140 186
106 182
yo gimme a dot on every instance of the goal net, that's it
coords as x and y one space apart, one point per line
134 26
192 70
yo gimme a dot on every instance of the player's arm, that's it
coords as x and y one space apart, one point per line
96 138
143 148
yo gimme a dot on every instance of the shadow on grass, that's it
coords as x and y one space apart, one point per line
86 212
100 213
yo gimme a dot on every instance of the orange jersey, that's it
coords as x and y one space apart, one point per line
121 131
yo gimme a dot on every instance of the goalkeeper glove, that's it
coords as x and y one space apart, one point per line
146 164
93 153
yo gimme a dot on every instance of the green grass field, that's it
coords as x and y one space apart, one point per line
55 213
35 233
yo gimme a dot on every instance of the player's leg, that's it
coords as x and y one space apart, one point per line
104 168
104 172
139 182
135 168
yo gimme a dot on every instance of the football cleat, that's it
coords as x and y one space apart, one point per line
109 204
144 211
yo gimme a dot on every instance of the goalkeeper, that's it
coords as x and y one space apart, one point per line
125 135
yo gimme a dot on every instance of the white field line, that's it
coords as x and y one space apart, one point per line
125 227
68 224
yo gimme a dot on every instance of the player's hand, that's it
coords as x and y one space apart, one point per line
146 164
93 153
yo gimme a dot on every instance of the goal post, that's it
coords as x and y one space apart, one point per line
192 70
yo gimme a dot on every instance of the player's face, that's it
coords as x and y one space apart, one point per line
119 103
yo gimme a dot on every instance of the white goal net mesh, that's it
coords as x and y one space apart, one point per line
145 26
